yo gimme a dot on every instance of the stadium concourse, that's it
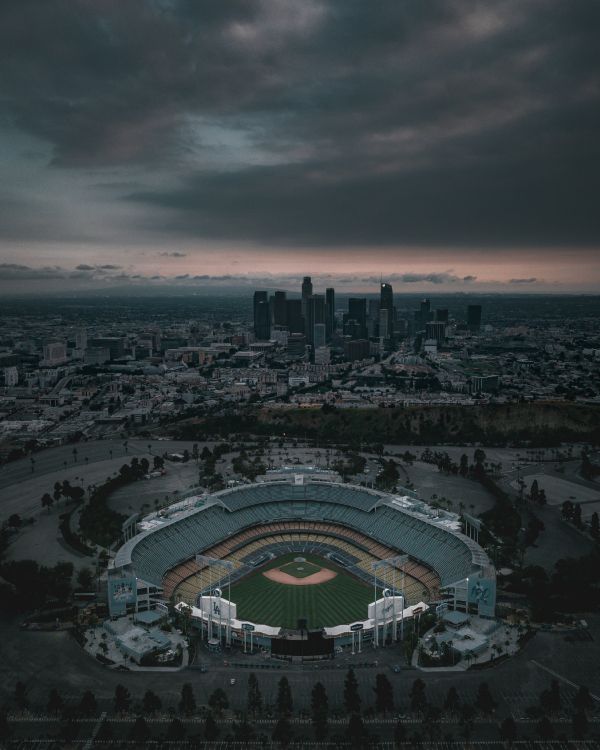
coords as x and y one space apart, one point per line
394 557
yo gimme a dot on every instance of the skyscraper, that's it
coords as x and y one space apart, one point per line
329 312
295 321
279 309
315 314
307 290
474 317
386 302
262 316
355 320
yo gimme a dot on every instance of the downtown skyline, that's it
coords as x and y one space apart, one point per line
247 144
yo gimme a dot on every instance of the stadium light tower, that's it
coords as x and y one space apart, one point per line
393 565
215 590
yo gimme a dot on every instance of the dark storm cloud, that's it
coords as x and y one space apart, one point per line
530 280
336 122
175 254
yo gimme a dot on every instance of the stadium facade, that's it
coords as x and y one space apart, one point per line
414 556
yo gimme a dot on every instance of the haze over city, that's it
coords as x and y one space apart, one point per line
450 146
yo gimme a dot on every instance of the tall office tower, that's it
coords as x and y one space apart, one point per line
295 320
307 290
319 335
435 330
279 309
329 312
384 323
386 302
315 313
441 315
357 311
373 318
262 316
425 311
474 317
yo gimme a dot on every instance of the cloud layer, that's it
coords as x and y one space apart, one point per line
276 124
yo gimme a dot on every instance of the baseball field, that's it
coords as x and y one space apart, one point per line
340 599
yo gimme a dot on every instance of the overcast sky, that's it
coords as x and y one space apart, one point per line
445 144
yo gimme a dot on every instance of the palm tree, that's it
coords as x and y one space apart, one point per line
74 452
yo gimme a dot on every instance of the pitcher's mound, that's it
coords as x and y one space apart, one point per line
279 576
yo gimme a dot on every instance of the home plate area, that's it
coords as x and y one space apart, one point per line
299 572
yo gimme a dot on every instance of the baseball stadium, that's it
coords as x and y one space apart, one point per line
298 564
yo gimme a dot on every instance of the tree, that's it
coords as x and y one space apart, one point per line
399 733
187 704
254 701
508 730
466 721
418 699
583 699
545 729
85 579
351 697
534 491
484 701
175 731
452 702
21 698
87 704
218 701
595 526
464 465
151 703
243 731
140 732
384 694
211 730
122 700
577 515
282 732
55 702
579 724
284 703
550 699
356 732
319 709
47 501
105 732
4 727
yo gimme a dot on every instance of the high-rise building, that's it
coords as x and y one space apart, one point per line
262 316
435 330
474 317
329 312
295 320
357 312
425 311
81 339
307 290
319 335
386 302
55 353
315 313
441 315
279 309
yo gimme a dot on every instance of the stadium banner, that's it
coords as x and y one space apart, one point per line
482 593
122 592
385 608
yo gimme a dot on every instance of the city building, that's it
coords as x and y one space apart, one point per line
262 316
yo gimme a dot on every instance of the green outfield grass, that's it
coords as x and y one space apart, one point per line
343 599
